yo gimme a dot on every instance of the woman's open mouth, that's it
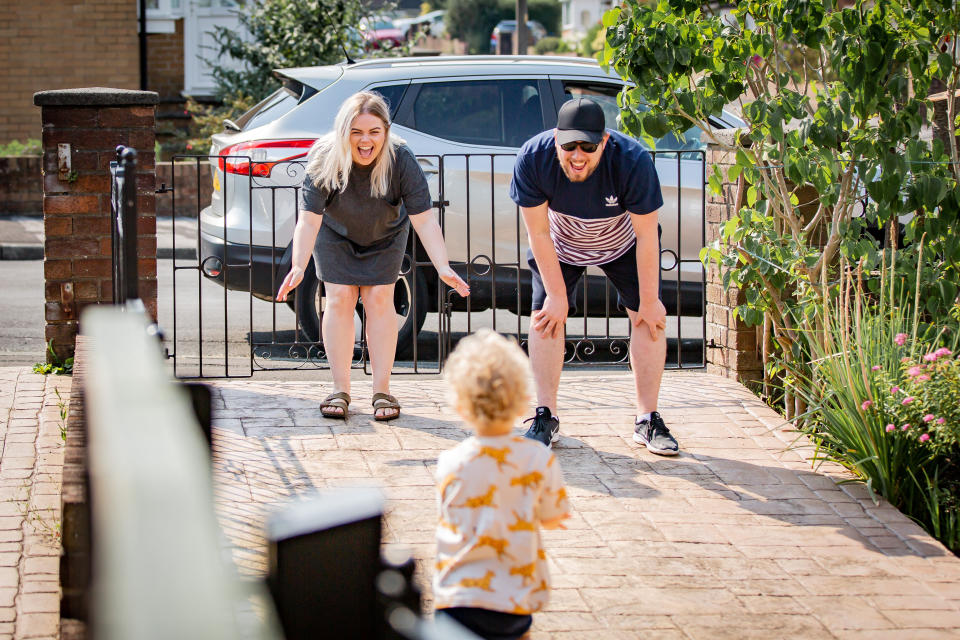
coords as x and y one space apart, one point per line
365 151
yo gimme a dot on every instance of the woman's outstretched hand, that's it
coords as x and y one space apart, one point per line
289 283
452 280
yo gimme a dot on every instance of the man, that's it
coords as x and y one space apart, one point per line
589 196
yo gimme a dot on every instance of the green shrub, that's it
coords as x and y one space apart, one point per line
551 44
593 40
31 147
883 402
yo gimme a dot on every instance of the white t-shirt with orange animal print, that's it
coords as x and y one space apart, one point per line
493 494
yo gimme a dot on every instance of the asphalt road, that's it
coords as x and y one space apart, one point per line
196 327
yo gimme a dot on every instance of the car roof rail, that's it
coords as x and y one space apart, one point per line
389 62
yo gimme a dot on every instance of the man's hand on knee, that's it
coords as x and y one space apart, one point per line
551 320
654 315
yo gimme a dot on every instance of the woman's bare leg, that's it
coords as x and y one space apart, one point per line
381 337
341 300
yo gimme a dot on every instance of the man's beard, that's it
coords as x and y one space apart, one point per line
565 167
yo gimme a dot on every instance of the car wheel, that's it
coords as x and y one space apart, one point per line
407 290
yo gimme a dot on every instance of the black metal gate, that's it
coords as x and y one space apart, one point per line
218 323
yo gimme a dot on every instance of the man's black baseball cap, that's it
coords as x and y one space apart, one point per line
580 119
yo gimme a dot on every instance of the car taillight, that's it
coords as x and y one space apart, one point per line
259 168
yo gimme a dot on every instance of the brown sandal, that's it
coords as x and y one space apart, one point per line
385 401
334 401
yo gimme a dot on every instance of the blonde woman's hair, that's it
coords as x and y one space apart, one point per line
488 378
329 160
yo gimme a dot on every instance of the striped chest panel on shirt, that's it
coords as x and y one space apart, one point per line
583 241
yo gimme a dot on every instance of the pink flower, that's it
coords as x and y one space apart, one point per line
928 417
900 338
930 357
940 420
907 400
924 437
923 378
913 371
905 427
904 359
875 367
894 389
890 428
942 351
866 404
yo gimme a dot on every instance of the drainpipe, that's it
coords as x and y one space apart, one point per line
143 45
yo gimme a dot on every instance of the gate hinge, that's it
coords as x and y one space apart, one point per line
440 203
164 188
713 345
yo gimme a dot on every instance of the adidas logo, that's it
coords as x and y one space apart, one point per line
611 201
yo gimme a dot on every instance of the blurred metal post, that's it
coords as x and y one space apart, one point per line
123 210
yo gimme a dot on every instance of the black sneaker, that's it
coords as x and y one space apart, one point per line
656 436
545 428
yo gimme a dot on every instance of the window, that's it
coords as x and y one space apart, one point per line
606 96
486 112
393 94
277 104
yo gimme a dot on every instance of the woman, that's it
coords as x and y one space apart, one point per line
358 176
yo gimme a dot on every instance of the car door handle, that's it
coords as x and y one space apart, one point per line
427 166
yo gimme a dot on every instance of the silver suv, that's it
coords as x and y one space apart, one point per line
465 118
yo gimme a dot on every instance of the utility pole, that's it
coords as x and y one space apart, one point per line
521 35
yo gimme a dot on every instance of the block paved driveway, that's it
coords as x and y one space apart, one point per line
738 537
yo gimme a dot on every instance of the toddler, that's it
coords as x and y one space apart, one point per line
496 490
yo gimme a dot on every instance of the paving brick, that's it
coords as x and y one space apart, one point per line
34 625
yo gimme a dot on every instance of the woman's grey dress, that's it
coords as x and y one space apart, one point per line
362 238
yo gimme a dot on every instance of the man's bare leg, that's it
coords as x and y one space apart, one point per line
546 359
647 358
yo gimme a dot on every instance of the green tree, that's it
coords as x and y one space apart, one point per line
472 21
834 101
288 33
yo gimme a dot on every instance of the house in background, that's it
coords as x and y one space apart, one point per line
62 44
579 15
179 41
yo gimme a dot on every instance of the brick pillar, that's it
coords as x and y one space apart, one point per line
76 203
733 348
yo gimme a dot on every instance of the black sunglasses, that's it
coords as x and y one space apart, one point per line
586 147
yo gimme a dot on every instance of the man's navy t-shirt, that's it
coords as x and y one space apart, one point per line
589 220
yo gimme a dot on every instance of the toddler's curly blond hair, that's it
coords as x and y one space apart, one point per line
487 378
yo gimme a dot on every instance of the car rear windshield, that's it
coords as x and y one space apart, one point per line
277 104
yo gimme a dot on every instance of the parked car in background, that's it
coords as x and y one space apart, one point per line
501 38
465 118
380 32
431 24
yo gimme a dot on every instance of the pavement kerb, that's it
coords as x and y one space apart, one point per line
21 238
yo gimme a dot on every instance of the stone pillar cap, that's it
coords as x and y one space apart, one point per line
95 97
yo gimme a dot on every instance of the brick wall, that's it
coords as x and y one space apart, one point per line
165 63
76 208
733 348
53 44
21 189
